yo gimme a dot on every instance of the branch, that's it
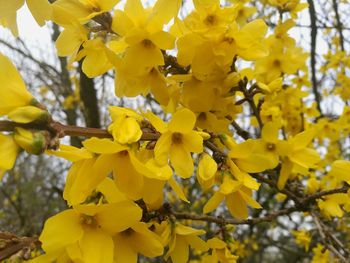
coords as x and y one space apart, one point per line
339 24
312 13
320 227
12 244
224 221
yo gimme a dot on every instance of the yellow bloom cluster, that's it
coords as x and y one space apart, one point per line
193 67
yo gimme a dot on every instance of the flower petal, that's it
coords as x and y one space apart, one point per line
61 230
183 121
96 246
181 160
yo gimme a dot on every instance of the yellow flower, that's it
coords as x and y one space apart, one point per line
143 31
299 156
321 254
182 238
125 127
302 238
340 170
142 41
13 90
136 240
220 252
97 57
128 170
330 205
40 9
177 140
246 157
269 144
237 198
8 153
70 40
86 231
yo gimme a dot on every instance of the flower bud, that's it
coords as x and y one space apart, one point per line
32 142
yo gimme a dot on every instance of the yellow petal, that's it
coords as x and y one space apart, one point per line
181 251
114 218
10 22
193 142
213 202
103 146
143 54
162 148
70 153
144 241
197 243
27 114
181 160
162 12
186 230
340 170
237 206
13 90
249 200
70 40
177 189
134 9
61 230
128 179
285 172
183 121
123 251
270 132
303 139
306 158
96 246
163 40
8 152
107 5
9 7
121 23
40 9
110 191
157 122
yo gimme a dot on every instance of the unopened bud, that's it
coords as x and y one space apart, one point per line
32 142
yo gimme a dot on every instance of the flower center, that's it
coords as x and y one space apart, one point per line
210 20
270 147
277 63
147 43
89 221
176 138
128 232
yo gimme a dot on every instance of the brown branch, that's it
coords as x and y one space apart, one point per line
325 241
339 24
224 221
319 195
12 244
313 20
240 131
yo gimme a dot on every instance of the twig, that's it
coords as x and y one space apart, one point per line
321 230
312 13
